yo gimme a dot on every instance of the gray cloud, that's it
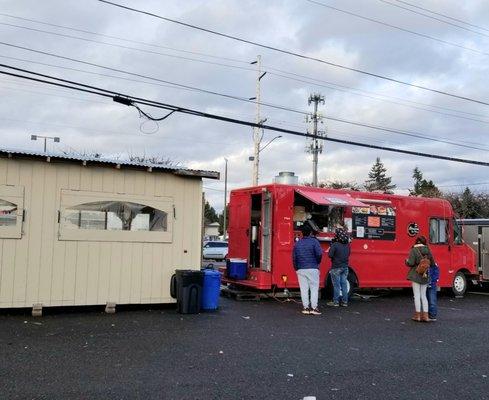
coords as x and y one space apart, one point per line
88 123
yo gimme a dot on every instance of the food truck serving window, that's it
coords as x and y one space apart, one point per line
325 210
374 222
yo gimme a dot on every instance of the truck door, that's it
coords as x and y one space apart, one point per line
484 249
266 238
239 225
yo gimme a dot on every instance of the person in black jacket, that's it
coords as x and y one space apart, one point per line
339 252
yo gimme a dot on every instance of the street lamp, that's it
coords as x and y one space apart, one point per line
55 139
260 149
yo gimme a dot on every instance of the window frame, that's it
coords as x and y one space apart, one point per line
72 198
454 229
447 231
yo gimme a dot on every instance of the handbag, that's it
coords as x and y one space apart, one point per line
423 265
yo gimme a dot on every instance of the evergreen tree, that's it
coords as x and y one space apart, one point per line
469 206
210 214
422 187
378 180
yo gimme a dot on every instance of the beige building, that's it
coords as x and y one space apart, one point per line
76 231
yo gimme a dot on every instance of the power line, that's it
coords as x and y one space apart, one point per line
434 18
405 133
125 47
295 54
353 91
284 108
269 69
443 15
376 21
36 21
130 100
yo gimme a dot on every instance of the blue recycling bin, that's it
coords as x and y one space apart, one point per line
211 290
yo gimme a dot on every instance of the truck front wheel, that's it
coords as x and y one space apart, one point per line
459 284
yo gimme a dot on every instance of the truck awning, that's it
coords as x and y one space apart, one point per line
330 199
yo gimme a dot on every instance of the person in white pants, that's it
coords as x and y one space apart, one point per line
419 282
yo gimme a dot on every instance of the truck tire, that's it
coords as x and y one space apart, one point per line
352 282
459 284
327 292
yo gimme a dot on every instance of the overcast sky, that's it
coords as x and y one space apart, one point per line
169 52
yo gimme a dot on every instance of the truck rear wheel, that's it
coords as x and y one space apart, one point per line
459 284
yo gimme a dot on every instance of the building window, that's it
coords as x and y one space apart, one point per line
8 213
438 231
116 216
11 211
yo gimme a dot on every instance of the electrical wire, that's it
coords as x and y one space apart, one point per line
126 47
36 21
282 74
295 54
442 15
141 101
279 107
423 35
434 18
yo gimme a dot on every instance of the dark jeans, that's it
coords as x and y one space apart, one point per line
340 284
432 306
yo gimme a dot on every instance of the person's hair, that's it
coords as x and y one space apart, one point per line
306 230
420 240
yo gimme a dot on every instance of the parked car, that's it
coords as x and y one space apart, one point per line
215 250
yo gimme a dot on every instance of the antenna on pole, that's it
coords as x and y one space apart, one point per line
316 145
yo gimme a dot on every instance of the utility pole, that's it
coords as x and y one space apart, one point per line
224 222
316 145
257 132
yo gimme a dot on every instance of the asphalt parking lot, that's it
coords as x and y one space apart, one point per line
249 350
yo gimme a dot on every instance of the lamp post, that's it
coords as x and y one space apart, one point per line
255 158
224 222
55 139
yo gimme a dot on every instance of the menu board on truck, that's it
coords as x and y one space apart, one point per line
374 222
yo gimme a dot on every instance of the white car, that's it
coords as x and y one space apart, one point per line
215 250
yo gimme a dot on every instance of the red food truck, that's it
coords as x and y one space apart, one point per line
265 221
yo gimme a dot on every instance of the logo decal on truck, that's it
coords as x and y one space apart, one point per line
413 229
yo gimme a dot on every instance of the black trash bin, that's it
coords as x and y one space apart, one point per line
186 287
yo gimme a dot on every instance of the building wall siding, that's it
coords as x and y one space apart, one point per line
40 268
